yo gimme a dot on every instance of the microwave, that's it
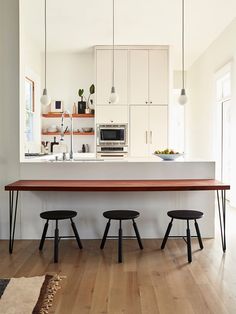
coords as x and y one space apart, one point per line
112 134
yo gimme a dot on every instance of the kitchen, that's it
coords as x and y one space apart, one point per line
87 134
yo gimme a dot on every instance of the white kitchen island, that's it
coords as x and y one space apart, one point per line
90 205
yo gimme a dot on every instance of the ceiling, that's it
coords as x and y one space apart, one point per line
75 25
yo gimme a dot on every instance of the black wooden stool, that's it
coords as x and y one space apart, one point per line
185 215
58 215
121 215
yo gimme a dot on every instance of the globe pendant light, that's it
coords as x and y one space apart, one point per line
45 99
183 98
114 98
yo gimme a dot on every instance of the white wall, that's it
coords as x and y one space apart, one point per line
67 72
30 66
201 112
9 103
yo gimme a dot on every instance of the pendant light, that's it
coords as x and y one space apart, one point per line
45 99
183 98
114 98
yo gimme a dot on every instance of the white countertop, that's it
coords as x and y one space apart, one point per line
91 157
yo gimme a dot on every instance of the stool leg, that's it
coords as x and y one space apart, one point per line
76 233
189 243
120 244
56 241
137 234
198 235
105 234
45 229
166 235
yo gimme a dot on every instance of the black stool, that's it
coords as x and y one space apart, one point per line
185 215
58 215
121 215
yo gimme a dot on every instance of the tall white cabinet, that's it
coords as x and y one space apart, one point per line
148 129
143 85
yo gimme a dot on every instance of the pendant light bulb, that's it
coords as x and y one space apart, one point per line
45 99
183 98
114 98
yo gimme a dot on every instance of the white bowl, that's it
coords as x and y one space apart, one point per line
168 157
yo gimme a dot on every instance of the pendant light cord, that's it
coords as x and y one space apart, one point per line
183 24
45 43
113 44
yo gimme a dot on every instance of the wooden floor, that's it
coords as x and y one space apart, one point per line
149 281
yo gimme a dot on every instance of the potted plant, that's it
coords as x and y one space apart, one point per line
81 103
90 101
84 106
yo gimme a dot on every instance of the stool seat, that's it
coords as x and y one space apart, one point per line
185 214
58 214
121 214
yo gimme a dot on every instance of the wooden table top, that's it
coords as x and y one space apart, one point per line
117 185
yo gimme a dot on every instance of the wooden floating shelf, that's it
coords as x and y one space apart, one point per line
68 133
74 115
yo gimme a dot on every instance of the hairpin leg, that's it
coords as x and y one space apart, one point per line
13 204
222 217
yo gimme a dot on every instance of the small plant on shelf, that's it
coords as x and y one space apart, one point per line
81 94
91 92
83 106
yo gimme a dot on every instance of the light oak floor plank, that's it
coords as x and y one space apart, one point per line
150 281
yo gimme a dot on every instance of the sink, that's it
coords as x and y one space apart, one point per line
87 159
75 159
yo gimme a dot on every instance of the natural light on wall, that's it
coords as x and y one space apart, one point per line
224 129
177 124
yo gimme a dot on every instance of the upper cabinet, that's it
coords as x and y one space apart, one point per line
138 81
158 76
104 75
149 76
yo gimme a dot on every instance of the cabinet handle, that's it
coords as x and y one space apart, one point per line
146 137
146 102
150 102
150 137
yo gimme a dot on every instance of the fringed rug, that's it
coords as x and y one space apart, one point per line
28 295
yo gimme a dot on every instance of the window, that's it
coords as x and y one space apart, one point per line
224 133
29 109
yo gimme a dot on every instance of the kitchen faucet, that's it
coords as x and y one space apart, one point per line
71 131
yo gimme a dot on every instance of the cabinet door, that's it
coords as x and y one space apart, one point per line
158 77
104 75
138 77
112 114
158 128
139 131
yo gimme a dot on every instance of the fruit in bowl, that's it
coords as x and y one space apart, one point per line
167 154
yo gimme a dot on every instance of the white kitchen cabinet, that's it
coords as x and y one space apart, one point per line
138 77
104 75
158 128
158 77
139 131
149 77
112 114
148 129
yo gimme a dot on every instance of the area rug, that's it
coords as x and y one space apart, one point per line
28 295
